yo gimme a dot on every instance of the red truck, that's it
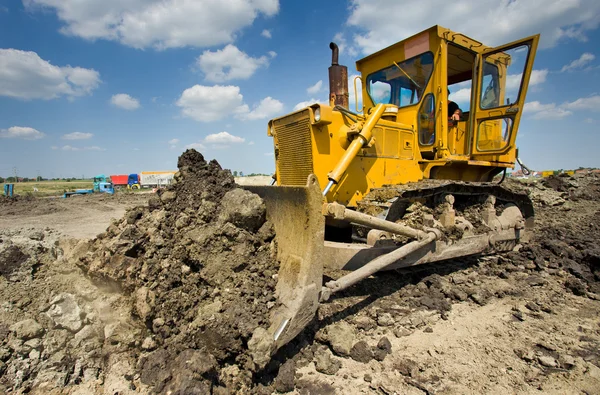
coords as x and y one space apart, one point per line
119 180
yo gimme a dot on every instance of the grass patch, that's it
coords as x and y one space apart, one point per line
48 188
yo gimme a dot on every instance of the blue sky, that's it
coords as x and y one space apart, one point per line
120 86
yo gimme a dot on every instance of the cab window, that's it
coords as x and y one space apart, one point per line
401 84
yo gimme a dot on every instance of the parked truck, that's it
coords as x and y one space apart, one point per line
119 180
100 187
156 179
99 179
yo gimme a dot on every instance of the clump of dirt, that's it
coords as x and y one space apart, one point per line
557 183
199 262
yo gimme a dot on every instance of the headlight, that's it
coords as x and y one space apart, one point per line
317 114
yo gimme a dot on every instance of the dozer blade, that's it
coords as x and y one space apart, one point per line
295 213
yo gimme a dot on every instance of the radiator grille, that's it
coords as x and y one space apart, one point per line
294 159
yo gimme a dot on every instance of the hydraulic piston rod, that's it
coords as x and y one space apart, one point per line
374 266
361 139
338 211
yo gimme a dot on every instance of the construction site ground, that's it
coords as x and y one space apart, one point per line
523 322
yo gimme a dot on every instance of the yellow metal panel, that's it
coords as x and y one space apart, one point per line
294 158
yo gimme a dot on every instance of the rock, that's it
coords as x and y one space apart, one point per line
167 196
133 216
182 221
325 363
148 344
35 344
368 378
566 361
407 367
535 281
401 332
4 353
144 302
385 319
576 286
481 298
244 209
532 306
363 322
65 312
379 354
341 337
284 382
385 344
428 330
27 329
458 294
361 352
88 332
547 361
2 368
34 354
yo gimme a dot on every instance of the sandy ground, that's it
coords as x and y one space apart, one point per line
524 323
254 180
81 217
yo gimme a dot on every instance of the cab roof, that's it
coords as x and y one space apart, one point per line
421 42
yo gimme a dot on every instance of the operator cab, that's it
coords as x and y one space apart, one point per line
424 73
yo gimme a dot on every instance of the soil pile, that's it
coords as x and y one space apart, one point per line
199 264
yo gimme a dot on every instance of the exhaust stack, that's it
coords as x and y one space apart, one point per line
338 80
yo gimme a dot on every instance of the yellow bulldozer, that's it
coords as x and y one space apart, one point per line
348 181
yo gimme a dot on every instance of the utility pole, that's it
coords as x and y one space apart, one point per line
16 174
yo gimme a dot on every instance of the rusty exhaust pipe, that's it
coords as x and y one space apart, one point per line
338 80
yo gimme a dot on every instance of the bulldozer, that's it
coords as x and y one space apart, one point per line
382 186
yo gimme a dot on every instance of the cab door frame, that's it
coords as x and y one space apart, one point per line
513 110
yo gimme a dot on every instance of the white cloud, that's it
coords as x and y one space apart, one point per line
266 33
269 154
173 143
267 108
21 132
157 23
24 75
461 96
591 103
196 146
538 110
223 138
251 143
77 136
490 21
316 88
211 103
583 60
537 77
272 54
71 148
54 147
124 101
343 46
589 120
548 111
307 103
228 64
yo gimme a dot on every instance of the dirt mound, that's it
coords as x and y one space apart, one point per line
556 182
199 263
